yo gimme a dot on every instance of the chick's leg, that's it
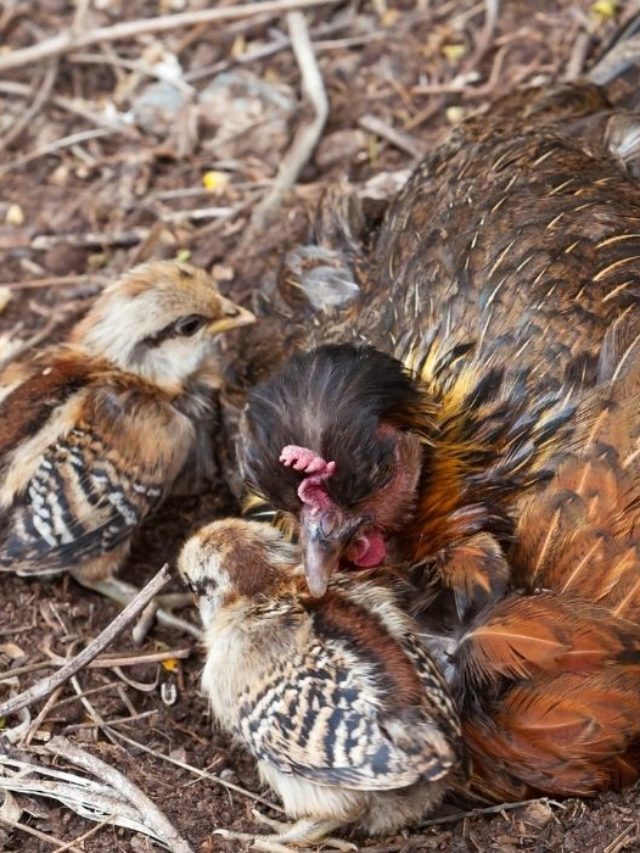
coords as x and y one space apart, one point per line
159 608
289 837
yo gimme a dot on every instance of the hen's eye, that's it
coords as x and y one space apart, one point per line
188 326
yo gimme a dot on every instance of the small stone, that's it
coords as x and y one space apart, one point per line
179 754
537 814
157 107
454 114
14 215
341 146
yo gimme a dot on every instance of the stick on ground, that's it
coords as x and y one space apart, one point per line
71 40
308 136
46 685
152 815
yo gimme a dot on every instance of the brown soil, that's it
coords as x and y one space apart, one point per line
91 210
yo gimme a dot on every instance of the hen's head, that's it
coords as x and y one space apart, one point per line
326 439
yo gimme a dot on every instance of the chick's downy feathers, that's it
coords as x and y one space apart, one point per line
348 716
94 431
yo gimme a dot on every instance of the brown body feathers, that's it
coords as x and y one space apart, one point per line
348 716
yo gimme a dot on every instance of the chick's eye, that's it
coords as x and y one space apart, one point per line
188 326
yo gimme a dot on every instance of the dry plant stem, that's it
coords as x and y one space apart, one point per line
44 242
35 725
139 67
203 774
501 807
105 662
85 836
152 815
401 140
52 147
20 90
307 137
70 40
46 685
34 340
492 10
52 281
42 91
41 836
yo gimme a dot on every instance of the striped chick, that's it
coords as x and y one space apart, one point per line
349 718
95 431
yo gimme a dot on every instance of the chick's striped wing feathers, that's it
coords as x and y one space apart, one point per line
95 484
325 714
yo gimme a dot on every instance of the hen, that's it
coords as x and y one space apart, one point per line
497 454
508 256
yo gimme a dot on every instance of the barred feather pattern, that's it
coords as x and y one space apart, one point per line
80 504
336 697
327 711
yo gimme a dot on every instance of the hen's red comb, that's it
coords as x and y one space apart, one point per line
311 490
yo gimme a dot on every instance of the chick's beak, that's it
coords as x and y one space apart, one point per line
322 553
231 317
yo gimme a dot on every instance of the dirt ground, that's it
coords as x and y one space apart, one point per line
102 165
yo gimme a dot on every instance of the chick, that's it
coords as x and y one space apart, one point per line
349 718
94 431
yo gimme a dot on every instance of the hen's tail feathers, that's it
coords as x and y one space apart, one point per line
559 679
568 735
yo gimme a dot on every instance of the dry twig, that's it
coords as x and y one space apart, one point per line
401 140
108 798
41 836
74 106
57 145
72 40
46 685
202 774
42 90
307 137
153 817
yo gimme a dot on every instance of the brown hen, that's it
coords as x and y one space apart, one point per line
508 256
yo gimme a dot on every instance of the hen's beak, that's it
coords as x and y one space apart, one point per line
322 553
232 316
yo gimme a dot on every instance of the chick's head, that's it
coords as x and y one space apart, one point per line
160 321
232 559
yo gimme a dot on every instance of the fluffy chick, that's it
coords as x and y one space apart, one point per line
349 718
94 431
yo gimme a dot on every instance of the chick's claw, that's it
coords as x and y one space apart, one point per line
303 834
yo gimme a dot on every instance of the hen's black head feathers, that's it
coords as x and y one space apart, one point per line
331 400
